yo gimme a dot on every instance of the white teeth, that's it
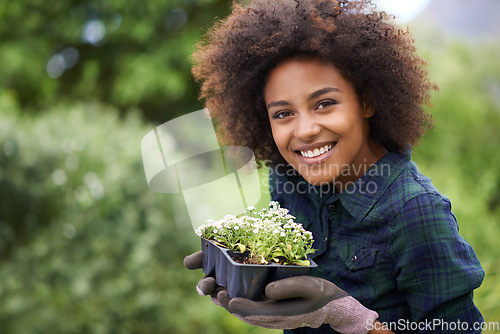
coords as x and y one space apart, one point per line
316 152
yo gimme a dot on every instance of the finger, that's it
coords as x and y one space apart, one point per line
194 261
216 291
216 302
224 299
206 285
308 287
246 307
292 287
270 308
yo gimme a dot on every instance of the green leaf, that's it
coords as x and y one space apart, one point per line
219 244
305 263
241 247
277 253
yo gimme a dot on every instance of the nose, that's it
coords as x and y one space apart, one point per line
307 127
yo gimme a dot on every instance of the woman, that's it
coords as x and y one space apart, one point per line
330 95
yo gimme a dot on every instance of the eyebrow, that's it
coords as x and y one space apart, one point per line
322 91
280 103
313 96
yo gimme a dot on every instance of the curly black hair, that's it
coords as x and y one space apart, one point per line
234 58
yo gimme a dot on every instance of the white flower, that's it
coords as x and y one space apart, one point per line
259 228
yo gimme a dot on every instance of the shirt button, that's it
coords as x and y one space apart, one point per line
354 258
331 207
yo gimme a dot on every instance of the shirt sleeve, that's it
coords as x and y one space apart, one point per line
436 269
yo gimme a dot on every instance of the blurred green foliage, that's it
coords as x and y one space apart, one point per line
85 246
461 153
129 54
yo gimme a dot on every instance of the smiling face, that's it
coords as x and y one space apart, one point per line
318 122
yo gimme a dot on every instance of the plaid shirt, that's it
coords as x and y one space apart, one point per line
391 241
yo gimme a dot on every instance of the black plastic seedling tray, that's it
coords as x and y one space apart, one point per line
244 280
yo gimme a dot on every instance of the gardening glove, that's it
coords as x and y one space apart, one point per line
302 301
206 285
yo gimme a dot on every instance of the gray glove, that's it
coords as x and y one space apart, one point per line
302 301
206 285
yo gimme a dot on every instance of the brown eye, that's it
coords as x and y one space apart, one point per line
325 104
281 114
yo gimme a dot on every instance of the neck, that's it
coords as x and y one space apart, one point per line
374 152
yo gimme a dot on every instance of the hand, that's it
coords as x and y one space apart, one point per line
299 302
206 285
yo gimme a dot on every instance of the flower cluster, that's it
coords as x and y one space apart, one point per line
268 235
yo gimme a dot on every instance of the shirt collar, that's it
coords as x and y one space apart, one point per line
359 197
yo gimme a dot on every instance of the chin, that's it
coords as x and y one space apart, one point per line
315 175
316 180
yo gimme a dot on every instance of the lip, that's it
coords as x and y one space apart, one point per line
319 159
314 145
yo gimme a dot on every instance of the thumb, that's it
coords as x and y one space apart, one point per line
246 307
308 287
292 287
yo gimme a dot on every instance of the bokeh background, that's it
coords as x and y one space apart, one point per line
86 247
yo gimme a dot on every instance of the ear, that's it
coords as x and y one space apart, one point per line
366 103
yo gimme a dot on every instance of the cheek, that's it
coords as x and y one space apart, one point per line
279 136
348 123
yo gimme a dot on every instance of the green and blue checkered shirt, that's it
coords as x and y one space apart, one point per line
391 241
